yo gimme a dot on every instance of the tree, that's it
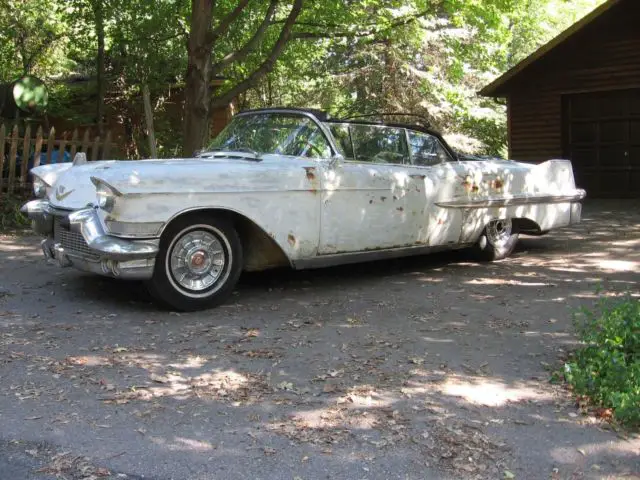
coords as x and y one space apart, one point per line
203 38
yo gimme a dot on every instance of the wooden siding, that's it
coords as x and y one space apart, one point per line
604 56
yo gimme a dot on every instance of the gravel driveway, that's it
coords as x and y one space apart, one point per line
429 367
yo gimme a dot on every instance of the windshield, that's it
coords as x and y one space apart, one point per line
281 133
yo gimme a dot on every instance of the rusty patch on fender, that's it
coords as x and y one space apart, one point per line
311 173
400 209
311 177
415 176
292 240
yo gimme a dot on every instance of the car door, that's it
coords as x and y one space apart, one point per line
434 176
364 198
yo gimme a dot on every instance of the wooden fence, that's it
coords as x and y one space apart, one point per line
19 153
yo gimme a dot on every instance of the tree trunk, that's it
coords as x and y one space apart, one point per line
198 78
148 115
99 20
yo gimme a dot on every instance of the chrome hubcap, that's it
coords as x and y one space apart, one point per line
499 232
197 260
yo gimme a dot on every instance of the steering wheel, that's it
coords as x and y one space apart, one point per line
308 147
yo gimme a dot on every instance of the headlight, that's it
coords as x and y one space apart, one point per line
106 198
39 187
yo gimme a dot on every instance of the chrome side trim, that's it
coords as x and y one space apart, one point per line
513 201
322 261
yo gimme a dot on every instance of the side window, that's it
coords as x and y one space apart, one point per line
343 139
314 144
426 149
379 144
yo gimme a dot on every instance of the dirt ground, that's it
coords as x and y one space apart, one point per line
429 367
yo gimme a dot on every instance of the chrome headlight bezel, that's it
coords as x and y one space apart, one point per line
105 195
40 187
105 198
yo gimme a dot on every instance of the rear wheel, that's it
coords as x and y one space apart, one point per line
198 265
496 242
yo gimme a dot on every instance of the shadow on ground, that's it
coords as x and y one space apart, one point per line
430 366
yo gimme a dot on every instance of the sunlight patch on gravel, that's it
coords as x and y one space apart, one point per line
504 281
490 393
617 447
617 265
183 444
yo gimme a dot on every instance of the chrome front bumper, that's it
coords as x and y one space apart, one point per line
103 254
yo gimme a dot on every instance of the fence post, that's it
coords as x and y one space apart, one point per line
94 148
74 143
63 144
24 166
13 153
106 147
85 141
38 147
2 135
50 140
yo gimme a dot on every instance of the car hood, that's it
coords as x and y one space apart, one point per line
73 188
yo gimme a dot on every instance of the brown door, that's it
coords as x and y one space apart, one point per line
601 136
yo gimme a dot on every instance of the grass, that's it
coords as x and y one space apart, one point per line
606 370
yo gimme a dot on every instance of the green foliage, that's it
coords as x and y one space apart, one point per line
607 368
10 216
347 57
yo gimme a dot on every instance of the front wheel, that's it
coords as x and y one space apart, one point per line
496 242
198 265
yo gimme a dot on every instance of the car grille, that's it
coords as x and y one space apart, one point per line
72 242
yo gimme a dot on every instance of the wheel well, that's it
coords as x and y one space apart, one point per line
260 250
526 226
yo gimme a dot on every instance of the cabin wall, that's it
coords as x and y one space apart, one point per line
602 60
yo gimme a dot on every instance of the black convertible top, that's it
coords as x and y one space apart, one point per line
324 117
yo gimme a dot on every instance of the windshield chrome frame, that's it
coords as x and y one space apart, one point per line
335 152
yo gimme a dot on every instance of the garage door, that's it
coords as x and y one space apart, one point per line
601 133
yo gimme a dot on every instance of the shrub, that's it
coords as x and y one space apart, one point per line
607 368
10 216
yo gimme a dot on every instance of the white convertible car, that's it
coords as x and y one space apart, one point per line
287 187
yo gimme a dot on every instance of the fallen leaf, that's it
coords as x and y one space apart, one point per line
508 474
158 378
329 388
